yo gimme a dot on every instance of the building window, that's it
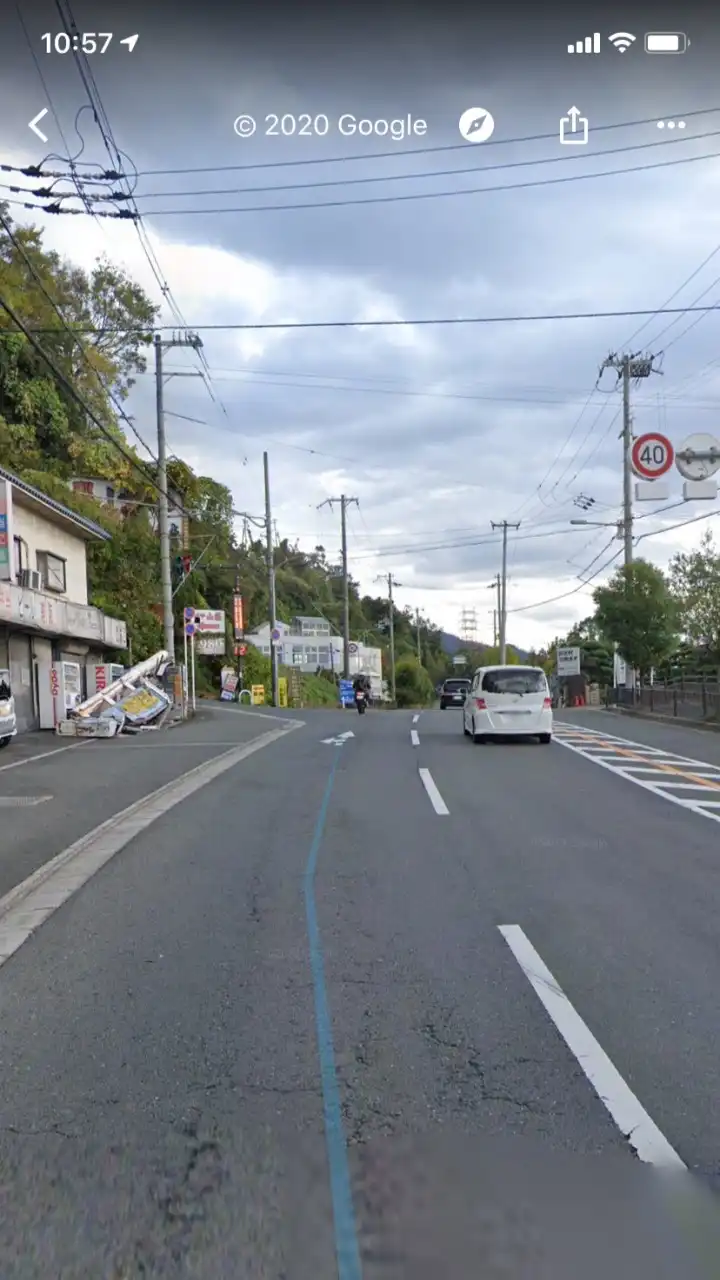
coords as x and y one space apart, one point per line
324 657
52 572
311 657
298 655
83 486
19 562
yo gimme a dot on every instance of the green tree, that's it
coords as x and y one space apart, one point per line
413 685
695 584
636 611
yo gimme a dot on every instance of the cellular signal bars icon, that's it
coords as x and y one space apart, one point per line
591 44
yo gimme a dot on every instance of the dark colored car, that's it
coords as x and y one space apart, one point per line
454 693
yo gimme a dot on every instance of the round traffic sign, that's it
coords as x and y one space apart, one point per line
275 634
189 612
652 455
352 648
698 457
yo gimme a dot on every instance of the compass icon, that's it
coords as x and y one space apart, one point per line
476 124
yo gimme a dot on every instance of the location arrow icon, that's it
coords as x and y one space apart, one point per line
33 124
130 41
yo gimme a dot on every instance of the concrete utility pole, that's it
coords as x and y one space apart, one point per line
389 579
417 629
178 340
504 525
628 368
344 504
271 580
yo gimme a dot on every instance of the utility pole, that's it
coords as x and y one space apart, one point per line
177 340
628 367
504 525
344 504
419 645
390 584
271 580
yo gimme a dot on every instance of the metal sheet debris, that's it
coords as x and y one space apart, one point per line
136 702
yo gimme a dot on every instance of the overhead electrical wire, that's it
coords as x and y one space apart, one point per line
436 195
426 322
135 215
564 158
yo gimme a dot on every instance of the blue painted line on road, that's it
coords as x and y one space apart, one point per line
346 1243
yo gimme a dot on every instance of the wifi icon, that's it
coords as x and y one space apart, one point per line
622 40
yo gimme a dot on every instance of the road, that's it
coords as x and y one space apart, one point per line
360 1007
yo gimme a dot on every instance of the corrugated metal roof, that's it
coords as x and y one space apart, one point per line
58 507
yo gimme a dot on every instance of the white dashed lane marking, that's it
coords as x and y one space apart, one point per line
692 784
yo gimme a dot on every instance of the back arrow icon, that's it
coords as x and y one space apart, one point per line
33 124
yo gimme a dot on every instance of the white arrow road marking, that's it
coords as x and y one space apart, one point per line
33 124
629 1115
339 740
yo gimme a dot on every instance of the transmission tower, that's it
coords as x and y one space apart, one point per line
468 626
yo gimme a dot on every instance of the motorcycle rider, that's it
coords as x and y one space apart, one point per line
361 684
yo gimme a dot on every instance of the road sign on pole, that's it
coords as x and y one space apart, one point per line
698 457
652 455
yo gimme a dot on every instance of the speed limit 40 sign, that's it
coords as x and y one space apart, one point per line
652 455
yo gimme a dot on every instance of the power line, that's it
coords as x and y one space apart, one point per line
538 604
437 195
565 158
281 325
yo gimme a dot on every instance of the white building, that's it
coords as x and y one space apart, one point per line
308 643
45 617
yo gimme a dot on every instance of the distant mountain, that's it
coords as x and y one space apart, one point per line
454 644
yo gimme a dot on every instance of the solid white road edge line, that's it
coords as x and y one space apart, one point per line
629 1115
436 799
43 755
29 904
415 737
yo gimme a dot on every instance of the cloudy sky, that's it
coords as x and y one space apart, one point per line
438 429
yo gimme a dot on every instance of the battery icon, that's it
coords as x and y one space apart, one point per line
666 42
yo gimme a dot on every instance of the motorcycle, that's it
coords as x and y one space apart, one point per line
361 702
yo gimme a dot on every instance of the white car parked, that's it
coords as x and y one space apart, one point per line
512 702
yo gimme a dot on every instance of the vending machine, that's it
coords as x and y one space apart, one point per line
99 677
66 689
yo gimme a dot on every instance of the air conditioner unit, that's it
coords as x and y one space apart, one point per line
30 578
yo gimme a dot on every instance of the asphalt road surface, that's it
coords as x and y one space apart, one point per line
383 1005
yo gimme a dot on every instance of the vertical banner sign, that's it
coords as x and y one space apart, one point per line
238 620
7 549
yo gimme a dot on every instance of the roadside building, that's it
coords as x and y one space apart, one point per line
45 617
309 643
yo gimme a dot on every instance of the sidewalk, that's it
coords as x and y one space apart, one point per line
53 792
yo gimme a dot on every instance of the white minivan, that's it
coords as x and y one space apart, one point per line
508 702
